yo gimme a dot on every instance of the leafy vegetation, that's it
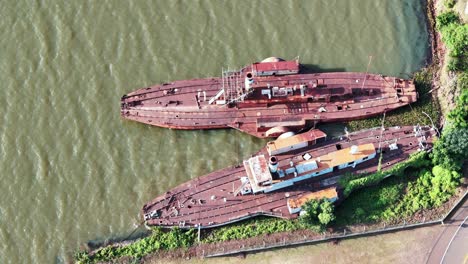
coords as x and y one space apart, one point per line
455 36
430 190
458 117
399 196
349 184
176 238
446 19
252 228
318 213
449 3
452 149
369 204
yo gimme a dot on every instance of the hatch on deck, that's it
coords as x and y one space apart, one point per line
275 68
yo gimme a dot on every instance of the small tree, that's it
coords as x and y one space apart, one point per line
459 116
446 18
318 213
327 214
451 150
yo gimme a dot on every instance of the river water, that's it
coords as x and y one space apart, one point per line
73 171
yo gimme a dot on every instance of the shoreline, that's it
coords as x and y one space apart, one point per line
436 60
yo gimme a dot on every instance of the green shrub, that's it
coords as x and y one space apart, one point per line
457 64
252 228
81 257
458 117
449 3
456 38
429 190
368 204
175 238
318 213
462 85
416 160
451 150
446 18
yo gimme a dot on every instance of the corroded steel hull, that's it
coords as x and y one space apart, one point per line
211 200
329 97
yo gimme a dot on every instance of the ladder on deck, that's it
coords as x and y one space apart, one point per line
233 86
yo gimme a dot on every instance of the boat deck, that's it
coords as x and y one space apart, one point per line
330 97
214 199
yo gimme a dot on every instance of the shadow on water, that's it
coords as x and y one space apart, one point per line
314 68
332 130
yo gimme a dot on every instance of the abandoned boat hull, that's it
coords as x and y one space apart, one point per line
294 100
215 200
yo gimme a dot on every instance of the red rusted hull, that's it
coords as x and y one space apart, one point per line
330 97
209 201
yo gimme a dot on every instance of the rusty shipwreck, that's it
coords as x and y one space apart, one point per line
266 99
282 176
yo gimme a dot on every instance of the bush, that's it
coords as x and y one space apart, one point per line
176 238
82 257
429 190
446 19
458 117
416 160
252 228
368 204
318 212
462 85
449 3
451 150
456 38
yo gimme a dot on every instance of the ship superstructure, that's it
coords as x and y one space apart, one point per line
307 166
266 99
